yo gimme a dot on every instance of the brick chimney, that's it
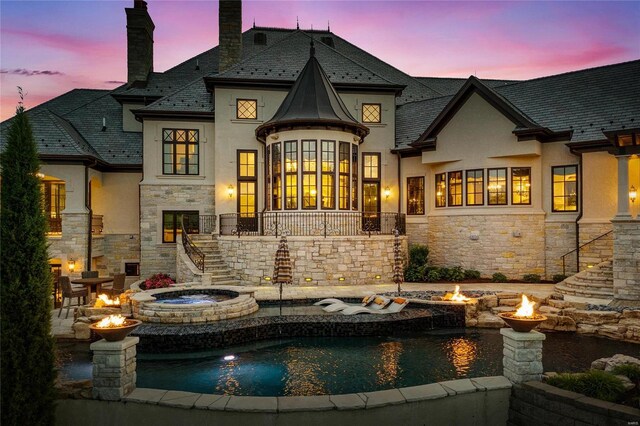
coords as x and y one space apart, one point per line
230 33
139 42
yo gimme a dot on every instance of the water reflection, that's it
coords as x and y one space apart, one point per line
462 352
388 367
303 370
227 381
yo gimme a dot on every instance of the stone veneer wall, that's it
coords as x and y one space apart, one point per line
560 238
417 233
498 247
626 259
598 251
357 258
72 244
155 256
117 248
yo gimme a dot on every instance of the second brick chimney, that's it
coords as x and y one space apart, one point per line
139 42
230 33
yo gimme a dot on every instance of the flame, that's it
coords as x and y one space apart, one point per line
111 321
103 300
526 308
457 296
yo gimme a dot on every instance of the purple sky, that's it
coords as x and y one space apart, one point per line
50 47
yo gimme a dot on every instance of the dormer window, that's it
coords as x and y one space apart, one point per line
246 109
371 113
260 39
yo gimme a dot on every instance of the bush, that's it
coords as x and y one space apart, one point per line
158 281
498 277
471 274
531 278
559 277
413 274
455 274
594 383
433 275
418 255
632 371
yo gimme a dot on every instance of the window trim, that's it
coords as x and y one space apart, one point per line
305 172
294 143
341 175
238 100
379 105
506 188
513 188
422 203
377 180
174 154
333 174
175 222
553 210
240 178
466 184
449 198
444 195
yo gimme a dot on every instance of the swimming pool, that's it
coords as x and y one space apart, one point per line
337 365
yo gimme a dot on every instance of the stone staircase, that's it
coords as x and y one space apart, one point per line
592 283
214 264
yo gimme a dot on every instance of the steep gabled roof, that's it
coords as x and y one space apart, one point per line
450 86
191 100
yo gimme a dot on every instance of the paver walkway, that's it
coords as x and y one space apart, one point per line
61 327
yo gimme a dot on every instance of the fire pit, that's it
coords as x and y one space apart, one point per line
104 301
524 319
114 327
456 296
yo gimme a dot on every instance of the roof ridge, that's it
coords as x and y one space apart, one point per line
259 28
108 93
426 100
190 59
44 104
180 89
55 120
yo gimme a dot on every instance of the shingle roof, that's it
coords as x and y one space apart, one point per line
193 97
449 86
413 118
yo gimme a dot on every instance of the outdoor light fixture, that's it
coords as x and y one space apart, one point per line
341 279
267 278
308 279
633 194
230 191
40 175
229 357
387 192
378 277
71 264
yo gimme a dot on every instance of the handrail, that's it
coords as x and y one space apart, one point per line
195 254
580 247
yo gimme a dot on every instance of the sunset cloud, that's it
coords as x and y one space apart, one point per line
29 73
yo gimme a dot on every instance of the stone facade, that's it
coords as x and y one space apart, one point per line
598 251
626 259
510 244
114 368
559 239
139 43
116 249
155 256
357 259
522 359
73 242
230 32
417 233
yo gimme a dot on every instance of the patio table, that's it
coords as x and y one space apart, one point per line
93 283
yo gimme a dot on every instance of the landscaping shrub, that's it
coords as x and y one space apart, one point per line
471 274
531 278
455 274
433 275
632 371
499 277
415 270
594 383
559 277
158 281
413 274
27 371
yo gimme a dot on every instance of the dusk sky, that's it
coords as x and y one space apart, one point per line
50 47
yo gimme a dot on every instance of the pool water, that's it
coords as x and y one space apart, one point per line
336 365
194 299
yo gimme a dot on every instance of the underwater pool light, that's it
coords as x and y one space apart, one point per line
229 357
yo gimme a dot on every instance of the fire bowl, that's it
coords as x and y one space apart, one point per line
115 334
520 324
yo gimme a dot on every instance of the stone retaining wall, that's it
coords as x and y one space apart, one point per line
357 259
598 251
479 402
535 403
626 259
559 238
511 244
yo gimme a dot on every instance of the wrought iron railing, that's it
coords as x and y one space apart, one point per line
577 251
195 254
207 224
321 224
96 224
55 225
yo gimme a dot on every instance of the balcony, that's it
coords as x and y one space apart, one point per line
96 224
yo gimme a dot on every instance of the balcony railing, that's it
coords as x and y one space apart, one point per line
55 225
195 254
321 224
96 224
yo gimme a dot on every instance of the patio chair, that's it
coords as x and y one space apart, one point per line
365 301
69 292
395 306
117 287
368 300
89 274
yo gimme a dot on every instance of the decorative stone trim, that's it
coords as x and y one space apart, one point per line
522 359
114 368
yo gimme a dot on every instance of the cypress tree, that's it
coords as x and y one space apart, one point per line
27 361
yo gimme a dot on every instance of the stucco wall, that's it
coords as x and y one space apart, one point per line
116 197
324 260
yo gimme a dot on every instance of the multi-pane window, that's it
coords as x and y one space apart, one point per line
455 189
328 174
371 182
564 192
475 187
354 177
246 109
343 176
267 160
415 195
247 183
371 113
520 185
54 204
441 188
497 186
291 175
276 187
172 224
309 177
180 152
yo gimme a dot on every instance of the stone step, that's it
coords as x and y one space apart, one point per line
597 275
584 291
576 282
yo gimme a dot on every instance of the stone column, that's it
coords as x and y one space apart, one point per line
623 188
522 361
626 259
114 368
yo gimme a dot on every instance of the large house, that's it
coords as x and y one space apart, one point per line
300 132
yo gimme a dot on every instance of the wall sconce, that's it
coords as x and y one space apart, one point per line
633 194
40 175
308 279
387 192
378 277
341 279
230 191
71 264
